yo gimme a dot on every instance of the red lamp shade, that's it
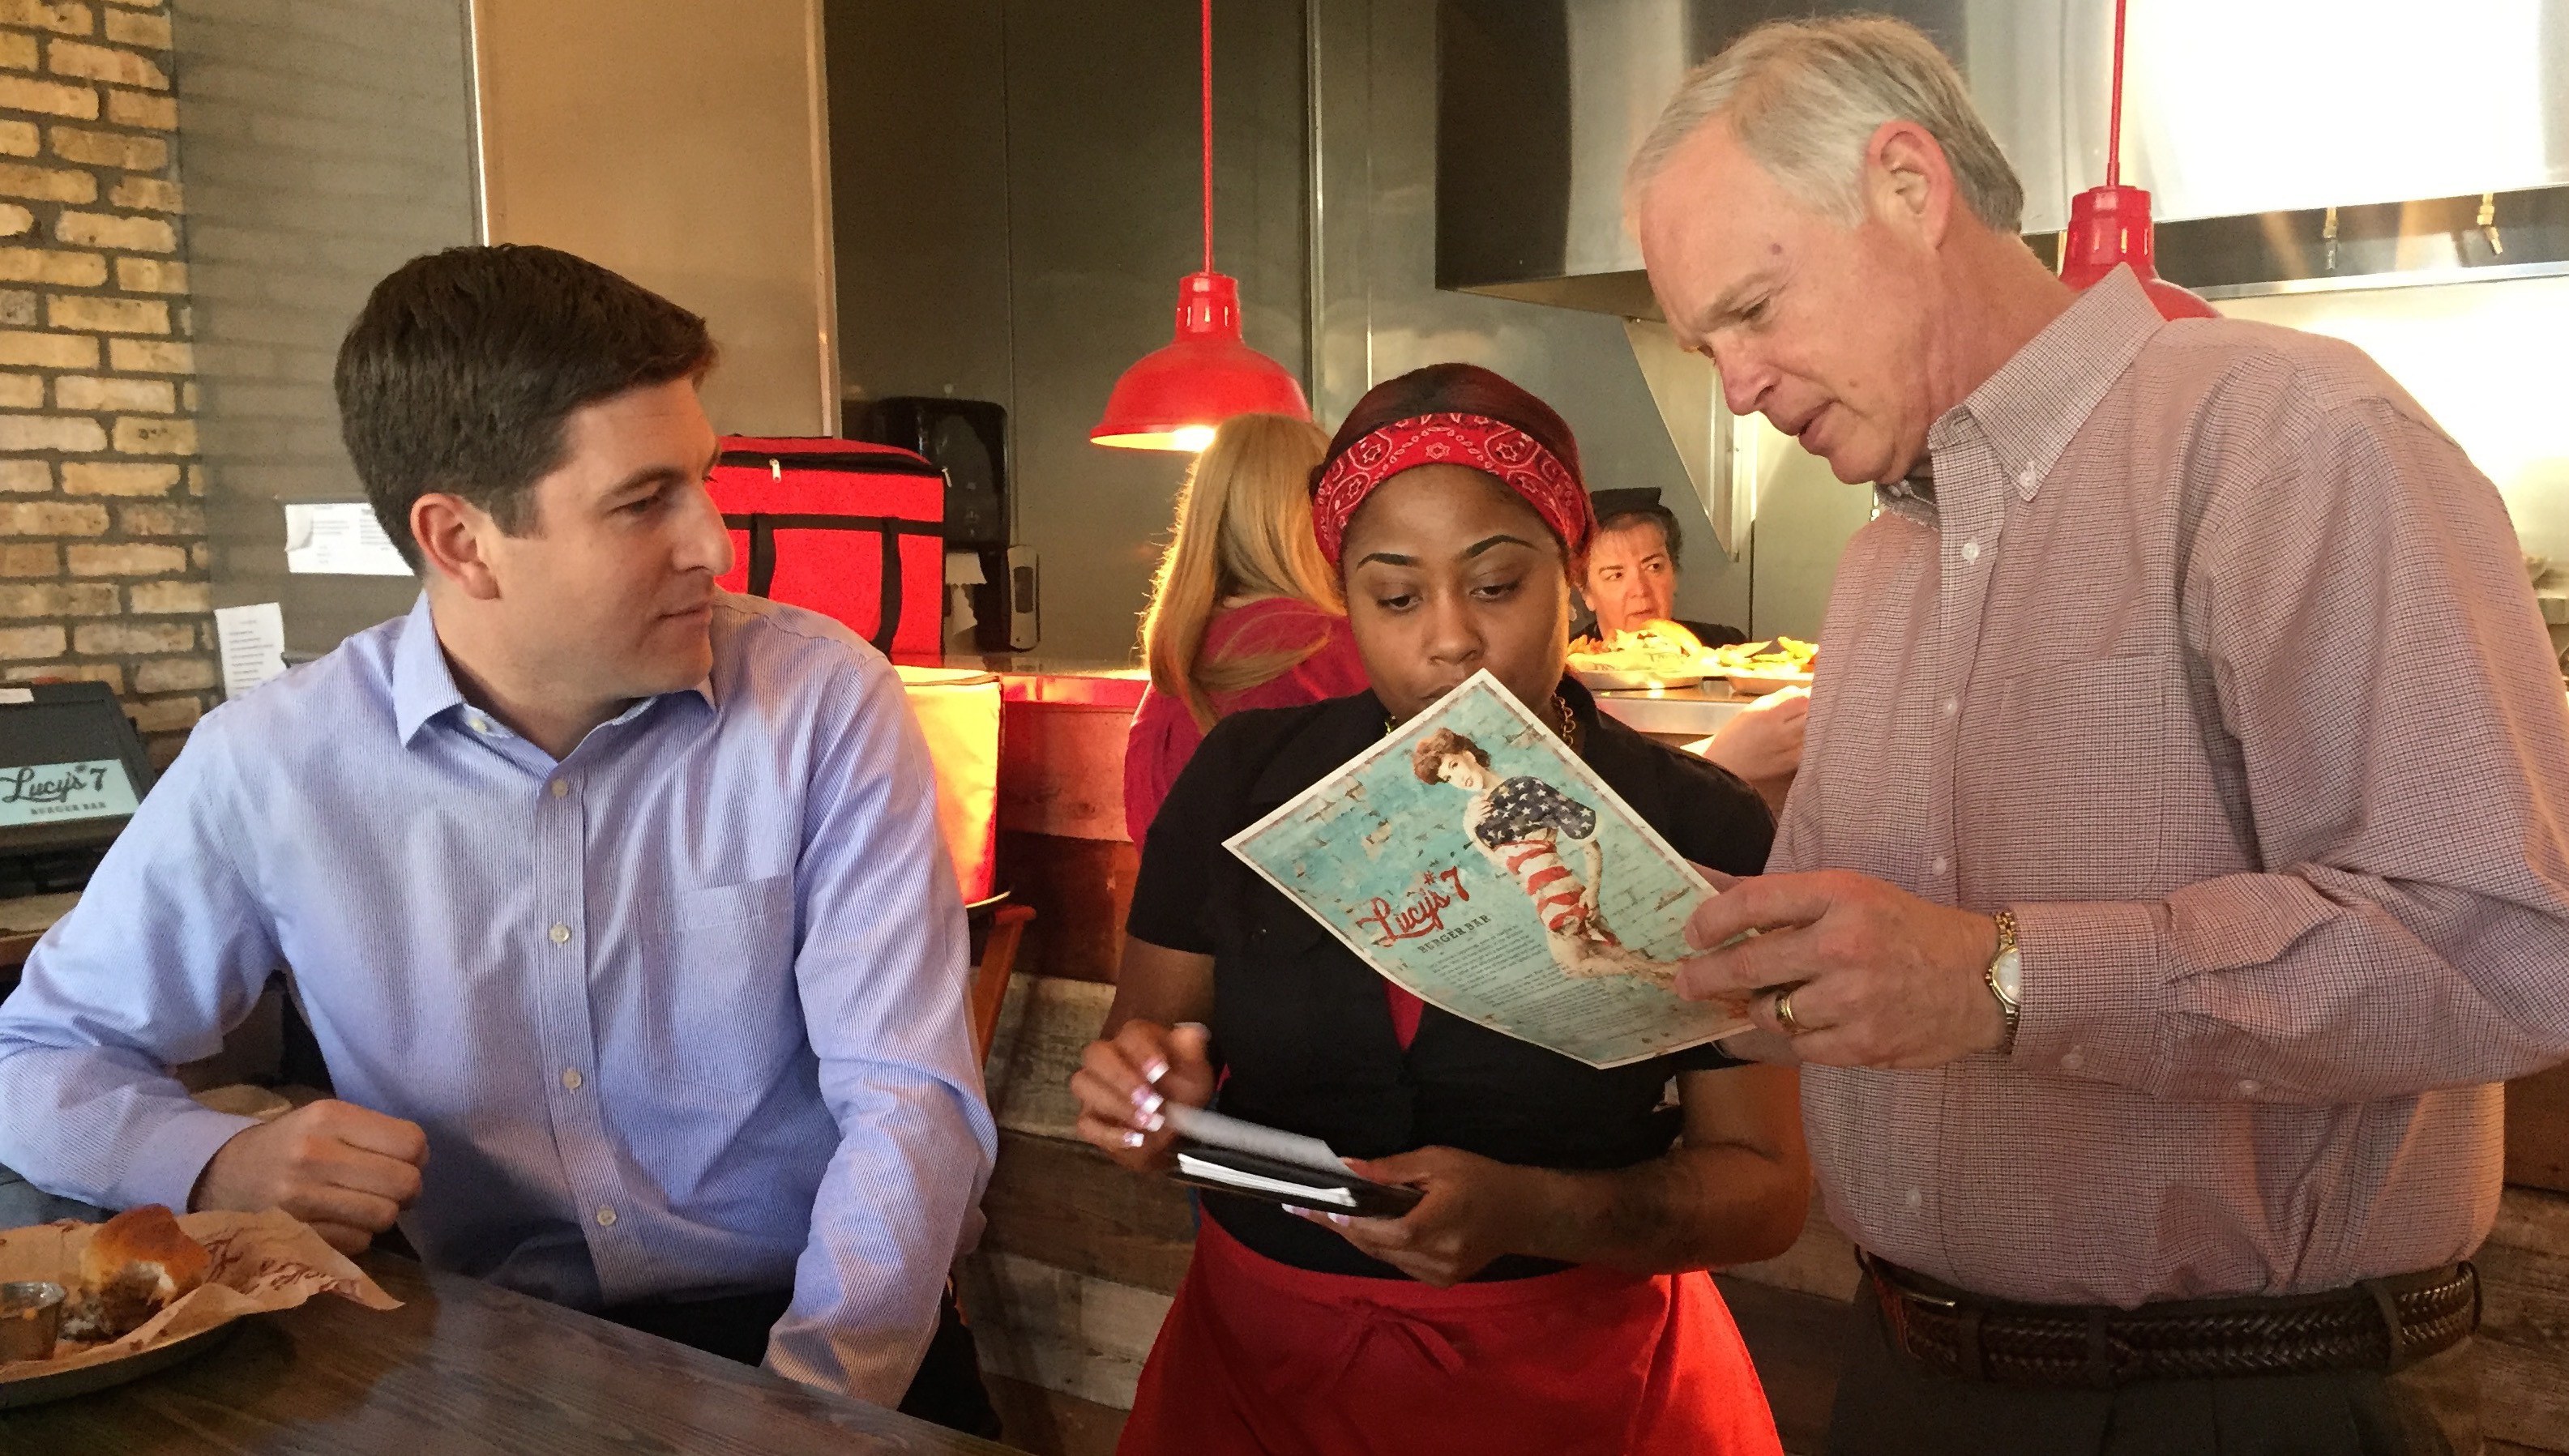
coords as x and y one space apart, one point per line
2110 226
1173 397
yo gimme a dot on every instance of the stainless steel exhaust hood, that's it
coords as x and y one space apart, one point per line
2274 116
2287 145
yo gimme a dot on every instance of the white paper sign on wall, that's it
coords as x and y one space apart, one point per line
253 643
339 539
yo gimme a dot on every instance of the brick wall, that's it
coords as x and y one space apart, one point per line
103 557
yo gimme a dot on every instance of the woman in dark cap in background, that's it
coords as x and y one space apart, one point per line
1547 1293
1632 578
1632 574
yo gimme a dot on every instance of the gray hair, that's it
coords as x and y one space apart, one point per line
1805 97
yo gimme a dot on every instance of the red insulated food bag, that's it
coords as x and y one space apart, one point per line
849 530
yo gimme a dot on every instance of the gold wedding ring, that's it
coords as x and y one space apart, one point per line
1784 1011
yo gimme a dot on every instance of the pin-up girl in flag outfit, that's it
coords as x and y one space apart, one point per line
1522 825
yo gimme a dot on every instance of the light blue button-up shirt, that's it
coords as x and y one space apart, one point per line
682 1013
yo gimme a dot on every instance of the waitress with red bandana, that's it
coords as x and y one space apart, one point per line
1548 1292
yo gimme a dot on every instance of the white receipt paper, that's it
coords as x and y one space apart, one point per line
1292 1149
339 539
252 640
1209 1127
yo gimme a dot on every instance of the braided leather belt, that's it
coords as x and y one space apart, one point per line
2379 1324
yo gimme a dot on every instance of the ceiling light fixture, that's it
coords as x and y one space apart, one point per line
1174 397
2110 225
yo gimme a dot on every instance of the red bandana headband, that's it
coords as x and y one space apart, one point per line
1493 447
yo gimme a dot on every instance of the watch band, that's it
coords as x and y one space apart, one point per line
2009 1006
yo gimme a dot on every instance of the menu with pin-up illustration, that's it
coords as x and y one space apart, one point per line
1477 862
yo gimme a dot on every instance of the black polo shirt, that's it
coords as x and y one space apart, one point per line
1301 1026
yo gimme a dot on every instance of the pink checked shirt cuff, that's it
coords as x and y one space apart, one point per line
2096 989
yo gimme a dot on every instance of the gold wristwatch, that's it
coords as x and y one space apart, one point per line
2006 978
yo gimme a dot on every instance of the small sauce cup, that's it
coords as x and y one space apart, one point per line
31 1310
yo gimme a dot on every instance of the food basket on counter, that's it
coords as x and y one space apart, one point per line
1664 654
86 1307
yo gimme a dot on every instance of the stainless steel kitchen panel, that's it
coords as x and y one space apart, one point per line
1017 194
2232 108
2488 236
919 152
1378 310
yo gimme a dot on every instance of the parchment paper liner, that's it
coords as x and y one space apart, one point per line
261 1262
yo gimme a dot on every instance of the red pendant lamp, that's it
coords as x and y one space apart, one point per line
2110 225
1173 397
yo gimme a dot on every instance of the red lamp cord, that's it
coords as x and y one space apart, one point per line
1207 47
2113 140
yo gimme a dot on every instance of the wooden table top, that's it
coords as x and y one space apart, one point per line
462 1367
25 919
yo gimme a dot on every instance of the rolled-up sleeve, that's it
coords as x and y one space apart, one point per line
2385 681
881 976
168 950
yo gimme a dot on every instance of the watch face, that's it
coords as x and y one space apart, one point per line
2009 972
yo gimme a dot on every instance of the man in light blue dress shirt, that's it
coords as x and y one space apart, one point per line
617 904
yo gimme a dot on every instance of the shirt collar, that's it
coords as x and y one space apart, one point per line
2036 402
423 685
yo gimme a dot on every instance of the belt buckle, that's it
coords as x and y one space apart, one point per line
1895 1296
1882 1277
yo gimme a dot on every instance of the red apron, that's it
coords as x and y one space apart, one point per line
1259 1358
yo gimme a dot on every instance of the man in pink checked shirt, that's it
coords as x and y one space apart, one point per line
2177 863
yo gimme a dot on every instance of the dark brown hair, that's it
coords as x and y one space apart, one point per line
1431 750
1453 389
1652 513
462 369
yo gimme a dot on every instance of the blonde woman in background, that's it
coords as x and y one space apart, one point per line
1245 613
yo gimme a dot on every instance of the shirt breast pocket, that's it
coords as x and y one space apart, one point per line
2083 796
724 1013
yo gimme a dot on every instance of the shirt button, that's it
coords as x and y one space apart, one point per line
1913 1197
2072 1061
1970 550
2028 477
606 1218
1940 864
561 787
560 935
479 725
1950 706
2250 1088
570 1079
